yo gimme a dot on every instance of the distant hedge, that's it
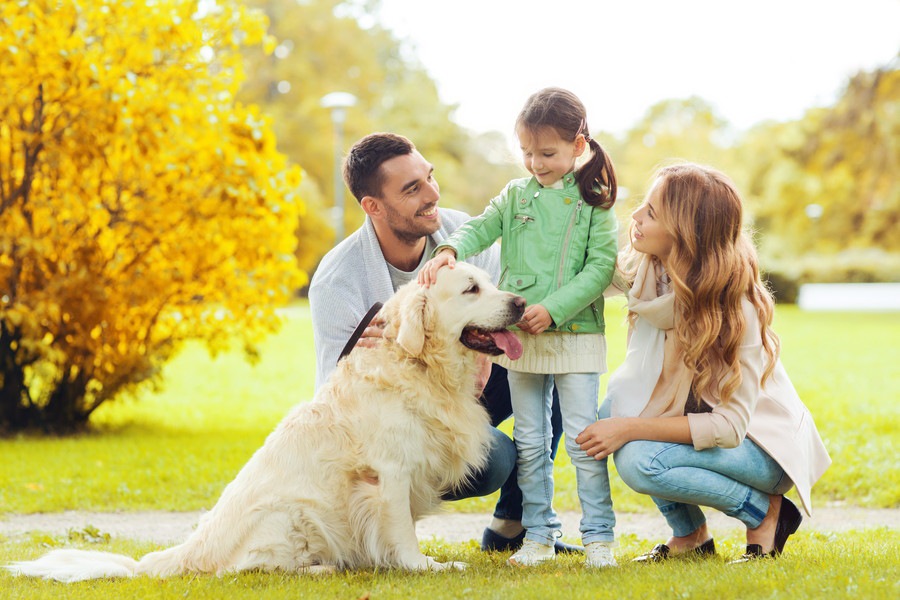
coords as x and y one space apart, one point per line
785 276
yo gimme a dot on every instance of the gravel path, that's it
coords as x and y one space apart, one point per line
170 527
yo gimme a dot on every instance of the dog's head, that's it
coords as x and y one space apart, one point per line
462 304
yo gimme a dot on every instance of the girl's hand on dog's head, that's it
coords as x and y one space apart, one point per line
428 275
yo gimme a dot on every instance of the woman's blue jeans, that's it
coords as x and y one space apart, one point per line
531 400
736 481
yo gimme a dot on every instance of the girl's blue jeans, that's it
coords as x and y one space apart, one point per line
736 481
531 399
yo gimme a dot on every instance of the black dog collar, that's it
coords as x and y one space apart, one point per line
357 333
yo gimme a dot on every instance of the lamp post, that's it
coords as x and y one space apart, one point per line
338 102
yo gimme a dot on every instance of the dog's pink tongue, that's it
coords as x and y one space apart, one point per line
509 343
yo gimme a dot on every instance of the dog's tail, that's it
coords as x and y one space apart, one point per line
208 549
79 565
76 565
217 545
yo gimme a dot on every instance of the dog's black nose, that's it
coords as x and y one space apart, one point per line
518 301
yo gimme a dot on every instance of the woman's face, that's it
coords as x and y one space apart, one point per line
648 234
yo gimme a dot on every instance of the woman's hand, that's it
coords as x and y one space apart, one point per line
605 436
535 319
428 273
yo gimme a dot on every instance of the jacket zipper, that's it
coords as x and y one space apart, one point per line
523 220
567 240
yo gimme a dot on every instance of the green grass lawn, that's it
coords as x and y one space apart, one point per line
176 448
817 566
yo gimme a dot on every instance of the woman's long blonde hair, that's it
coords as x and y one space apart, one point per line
712 266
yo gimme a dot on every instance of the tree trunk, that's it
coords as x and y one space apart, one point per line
16 411
61 415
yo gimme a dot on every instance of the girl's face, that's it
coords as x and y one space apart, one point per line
648 234
546 155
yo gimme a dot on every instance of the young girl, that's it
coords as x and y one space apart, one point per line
703 412
559 252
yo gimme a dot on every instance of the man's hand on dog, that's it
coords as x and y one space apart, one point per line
484 373
372 334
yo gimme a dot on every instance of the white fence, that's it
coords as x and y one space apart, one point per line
850 296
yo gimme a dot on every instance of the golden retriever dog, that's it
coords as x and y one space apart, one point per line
341 481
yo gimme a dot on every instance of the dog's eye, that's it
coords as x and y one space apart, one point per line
472 289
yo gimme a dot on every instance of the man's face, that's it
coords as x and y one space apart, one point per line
410 197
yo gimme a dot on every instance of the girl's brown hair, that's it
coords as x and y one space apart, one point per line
565 113
713 267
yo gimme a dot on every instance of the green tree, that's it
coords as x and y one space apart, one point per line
140 205
831 184
338 45
671 130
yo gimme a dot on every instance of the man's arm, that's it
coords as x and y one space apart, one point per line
334 317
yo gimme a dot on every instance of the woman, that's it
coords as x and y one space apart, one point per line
702 411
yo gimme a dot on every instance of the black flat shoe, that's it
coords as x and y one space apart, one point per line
564 548
491 541
789 519
662 552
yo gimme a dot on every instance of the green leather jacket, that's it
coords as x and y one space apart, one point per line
556 250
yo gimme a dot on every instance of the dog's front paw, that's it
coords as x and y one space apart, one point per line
317 569
426 563
434 565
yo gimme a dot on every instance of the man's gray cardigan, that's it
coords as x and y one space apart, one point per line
354 275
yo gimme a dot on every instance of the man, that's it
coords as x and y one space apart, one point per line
396 188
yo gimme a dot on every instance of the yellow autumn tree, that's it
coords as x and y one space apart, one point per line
140 205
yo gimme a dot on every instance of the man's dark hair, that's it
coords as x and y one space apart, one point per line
362 165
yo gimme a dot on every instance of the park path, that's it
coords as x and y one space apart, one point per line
170 527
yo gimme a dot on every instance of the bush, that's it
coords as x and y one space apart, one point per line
785 288
141 206
870 265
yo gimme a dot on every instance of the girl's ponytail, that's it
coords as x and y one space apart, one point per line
597 178
563 111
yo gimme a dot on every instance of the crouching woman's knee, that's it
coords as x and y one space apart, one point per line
635 464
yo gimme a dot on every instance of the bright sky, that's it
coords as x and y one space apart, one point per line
753 60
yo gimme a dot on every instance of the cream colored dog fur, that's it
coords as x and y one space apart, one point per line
342 479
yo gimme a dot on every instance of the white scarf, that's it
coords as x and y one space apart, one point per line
632 384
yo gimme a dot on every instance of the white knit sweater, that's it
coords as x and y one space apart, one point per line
554 352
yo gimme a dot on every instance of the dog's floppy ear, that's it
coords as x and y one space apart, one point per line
415 322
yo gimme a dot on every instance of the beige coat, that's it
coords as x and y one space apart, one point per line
654 382
772 415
